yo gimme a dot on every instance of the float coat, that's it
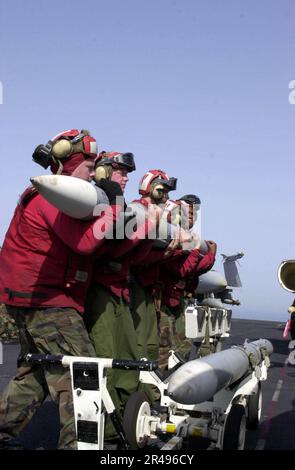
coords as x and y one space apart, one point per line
46 259
199 380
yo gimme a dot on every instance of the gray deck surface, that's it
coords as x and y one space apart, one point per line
278 415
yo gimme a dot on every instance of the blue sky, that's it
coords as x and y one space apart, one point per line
197 88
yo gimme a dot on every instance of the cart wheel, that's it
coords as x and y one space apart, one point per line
136 410
254 408
234 431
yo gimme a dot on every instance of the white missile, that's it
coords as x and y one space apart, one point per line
212 302
72 196
211 282
199 380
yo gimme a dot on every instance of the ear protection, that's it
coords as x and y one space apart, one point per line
103 172
62 149
64 145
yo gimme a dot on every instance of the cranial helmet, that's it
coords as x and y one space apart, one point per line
153 177
66 151
106 162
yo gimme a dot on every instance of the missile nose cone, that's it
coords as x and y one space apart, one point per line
35 181
72 196
44 181
212 281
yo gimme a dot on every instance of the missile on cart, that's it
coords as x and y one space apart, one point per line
72 196
199 380
212 302
211 281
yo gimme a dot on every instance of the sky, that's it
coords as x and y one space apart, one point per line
197 88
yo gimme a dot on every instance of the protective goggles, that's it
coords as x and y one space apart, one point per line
123 159
191 199
126 159
169 184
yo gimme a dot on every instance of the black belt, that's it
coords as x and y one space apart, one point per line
25 295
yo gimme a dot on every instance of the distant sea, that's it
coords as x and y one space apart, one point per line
272 316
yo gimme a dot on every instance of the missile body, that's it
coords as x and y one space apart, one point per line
212 302
199 380
72 196
211 281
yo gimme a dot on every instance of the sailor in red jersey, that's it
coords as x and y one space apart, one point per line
107 315
178 278
154 188
45 270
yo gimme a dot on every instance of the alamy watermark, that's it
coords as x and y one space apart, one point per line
165 222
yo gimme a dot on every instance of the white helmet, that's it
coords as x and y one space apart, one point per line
155 176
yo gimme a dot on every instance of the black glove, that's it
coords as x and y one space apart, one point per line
112 190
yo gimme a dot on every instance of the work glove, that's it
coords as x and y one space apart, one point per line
112 190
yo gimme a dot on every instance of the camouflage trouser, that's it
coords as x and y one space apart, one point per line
111 328
172 334
145 322
8 328
45 331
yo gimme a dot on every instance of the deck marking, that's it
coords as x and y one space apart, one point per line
277 392
272 408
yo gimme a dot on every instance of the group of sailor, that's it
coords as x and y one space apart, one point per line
73 289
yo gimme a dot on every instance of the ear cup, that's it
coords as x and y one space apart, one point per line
157 196
62 148
103 172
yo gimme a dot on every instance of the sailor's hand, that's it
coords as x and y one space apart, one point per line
291 309
173 245
212 246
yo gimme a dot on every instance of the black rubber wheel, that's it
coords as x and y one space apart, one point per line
254 408
136 408
234 431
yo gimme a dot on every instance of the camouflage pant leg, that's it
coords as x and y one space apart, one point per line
8 328
111 328
182 344
172 335
61 332
57 331
24 393
166 338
